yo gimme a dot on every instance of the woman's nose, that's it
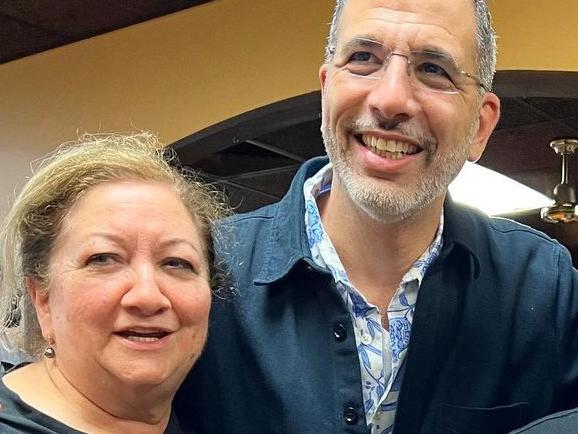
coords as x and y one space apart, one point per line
145 294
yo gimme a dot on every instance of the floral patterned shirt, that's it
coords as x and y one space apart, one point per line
381 351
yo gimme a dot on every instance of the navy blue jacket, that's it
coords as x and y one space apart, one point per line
494 342
564 422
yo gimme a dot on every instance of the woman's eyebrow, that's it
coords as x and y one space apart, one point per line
177 241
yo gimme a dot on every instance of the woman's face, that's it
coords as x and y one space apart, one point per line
128 298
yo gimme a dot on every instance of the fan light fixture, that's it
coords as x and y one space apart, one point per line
564 209
494 193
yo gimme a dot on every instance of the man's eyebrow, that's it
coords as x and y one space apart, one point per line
367 41
443 54
436 51
360 42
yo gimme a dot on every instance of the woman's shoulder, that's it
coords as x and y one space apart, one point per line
17 417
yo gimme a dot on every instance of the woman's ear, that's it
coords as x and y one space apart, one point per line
40 299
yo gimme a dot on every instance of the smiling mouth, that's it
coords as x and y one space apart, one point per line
140 336
392 149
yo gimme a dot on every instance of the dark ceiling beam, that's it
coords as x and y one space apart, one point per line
31 25
247 126
21 38
276 149
550 84
219 180
258 173
551 118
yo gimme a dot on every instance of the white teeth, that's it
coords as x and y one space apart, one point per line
143 331
142 335
391 148
141 338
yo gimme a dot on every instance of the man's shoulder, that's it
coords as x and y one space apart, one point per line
275 220
481 228
246 229
256 216
565 422
507 225
509 228
500 244
290 204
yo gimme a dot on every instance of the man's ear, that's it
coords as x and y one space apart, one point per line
488 116
323 77
40 299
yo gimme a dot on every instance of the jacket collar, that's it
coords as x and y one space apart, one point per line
286 241
464 229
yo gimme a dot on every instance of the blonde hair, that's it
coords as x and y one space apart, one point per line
28 232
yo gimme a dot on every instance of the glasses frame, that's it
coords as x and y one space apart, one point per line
390 53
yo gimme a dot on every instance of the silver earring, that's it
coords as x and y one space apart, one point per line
49 352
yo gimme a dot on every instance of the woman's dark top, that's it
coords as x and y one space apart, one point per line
17 417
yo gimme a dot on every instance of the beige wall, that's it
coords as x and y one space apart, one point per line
180 73
174 75
536 34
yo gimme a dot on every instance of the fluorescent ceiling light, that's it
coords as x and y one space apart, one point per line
493 192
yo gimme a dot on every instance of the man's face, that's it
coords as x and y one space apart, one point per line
396 146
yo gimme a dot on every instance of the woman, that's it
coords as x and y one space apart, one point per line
107 270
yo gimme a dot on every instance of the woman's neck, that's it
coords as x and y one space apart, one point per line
43 386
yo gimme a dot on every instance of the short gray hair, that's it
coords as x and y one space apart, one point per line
486 37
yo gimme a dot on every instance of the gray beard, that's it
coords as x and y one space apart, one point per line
394 203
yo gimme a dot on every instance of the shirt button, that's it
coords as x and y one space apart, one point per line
350 416
366 339
339 332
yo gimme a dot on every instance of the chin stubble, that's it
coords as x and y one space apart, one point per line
392 203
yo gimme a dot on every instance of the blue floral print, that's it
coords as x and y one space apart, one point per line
381 352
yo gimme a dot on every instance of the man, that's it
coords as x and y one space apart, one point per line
368 301
564 422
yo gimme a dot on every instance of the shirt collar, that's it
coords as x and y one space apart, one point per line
319 184
465 229
286 240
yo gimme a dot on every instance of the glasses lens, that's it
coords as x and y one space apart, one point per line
364 64
434 71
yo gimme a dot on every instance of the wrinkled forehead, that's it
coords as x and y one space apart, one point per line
415 24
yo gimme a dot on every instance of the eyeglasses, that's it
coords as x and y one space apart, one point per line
429 70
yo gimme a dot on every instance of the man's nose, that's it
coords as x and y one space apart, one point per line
392 95
145 295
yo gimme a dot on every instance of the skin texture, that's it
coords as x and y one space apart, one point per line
129 256
381 213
